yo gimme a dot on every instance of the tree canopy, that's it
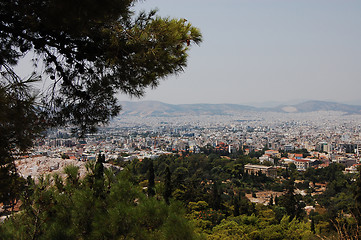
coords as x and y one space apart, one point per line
90 50
74 209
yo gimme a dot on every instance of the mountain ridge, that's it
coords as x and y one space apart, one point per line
157 108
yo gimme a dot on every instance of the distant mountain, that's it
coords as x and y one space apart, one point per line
313 106
148 108
154 108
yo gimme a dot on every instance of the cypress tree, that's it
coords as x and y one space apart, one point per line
271 201
99 168
167 186
99 175
236 205
313 226
216 196
289 200
276 200
244 205
151 183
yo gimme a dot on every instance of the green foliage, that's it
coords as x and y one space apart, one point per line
357 197
192 176
151 183
254 154
193 181
77 212
195 185
197 206
291 202
203 217
20 123
11 186
236 206
213 216
216 196
271 201
313 230
228 230
250 227
167 185
338 197
72 173
327 174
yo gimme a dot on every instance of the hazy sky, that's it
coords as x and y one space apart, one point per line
265 51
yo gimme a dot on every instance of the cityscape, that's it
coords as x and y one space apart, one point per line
327 136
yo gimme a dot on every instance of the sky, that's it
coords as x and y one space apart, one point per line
264 52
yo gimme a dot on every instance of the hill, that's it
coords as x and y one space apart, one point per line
155 108
314 106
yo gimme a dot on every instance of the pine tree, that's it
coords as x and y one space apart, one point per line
91 50
76 213
20 123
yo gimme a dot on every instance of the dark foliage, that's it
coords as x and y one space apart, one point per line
91 50
20 123
77 212
167 185
151 183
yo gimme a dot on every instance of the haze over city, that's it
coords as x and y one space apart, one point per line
257 52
